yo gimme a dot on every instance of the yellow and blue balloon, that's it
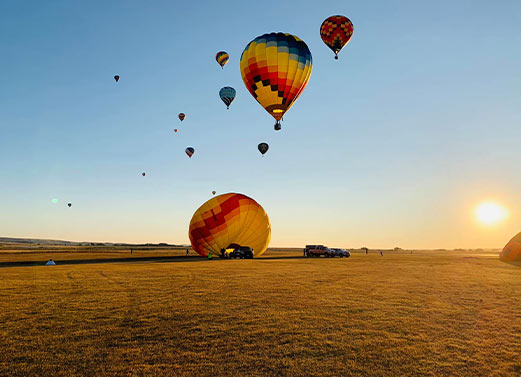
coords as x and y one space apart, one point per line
275 68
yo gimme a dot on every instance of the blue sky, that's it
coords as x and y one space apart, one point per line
392 145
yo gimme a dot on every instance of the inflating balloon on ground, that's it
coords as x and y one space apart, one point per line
229 221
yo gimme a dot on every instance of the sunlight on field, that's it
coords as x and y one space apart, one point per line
398 315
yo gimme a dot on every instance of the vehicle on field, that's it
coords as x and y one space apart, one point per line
242 252
317 251
340 253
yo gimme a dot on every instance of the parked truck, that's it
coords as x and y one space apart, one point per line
317 251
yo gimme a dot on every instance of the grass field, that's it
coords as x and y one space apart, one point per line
421 314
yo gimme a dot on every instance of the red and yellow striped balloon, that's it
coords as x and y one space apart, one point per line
276 68
512 251
229 219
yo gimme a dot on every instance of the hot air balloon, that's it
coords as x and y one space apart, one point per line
222 58
116 78
214 192
181 116
263 148
227 95
512 251
275 68
190 151
69 204
229 221
143 174
175 130
336 32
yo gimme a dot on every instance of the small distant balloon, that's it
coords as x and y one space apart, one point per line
336 32
54 201
181 116
116 78
175 129
222 58
227 95
263 147
143 174
214 192
69 204
189 151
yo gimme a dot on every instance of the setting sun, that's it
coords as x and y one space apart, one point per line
490 213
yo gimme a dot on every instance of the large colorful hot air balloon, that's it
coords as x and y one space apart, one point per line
227 95
116 78
336 32
189 151
222 58
181 116
263 147
229 221
275 68
512 251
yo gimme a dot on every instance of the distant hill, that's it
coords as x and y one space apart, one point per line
35 241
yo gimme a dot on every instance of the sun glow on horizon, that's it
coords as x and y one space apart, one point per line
490 213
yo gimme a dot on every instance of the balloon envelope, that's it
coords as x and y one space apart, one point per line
116 78
512 251
175 129
213 192
143 174
276 68
222 58
227 95
69 204
181 116
229 219
336 32
190 151
263 147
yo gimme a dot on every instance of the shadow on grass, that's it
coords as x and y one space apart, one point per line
104 260
172 259
517 264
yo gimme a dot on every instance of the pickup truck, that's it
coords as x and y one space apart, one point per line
317 250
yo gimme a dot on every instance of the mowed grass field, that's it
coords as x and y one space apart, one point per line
421 314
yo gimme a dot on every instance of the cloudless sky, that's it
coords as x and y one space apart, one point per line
392 145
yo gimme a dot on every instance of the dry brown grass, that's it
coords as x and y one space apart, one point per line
429 314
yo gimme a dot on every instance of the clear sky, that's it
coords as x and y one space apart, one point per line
392 145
